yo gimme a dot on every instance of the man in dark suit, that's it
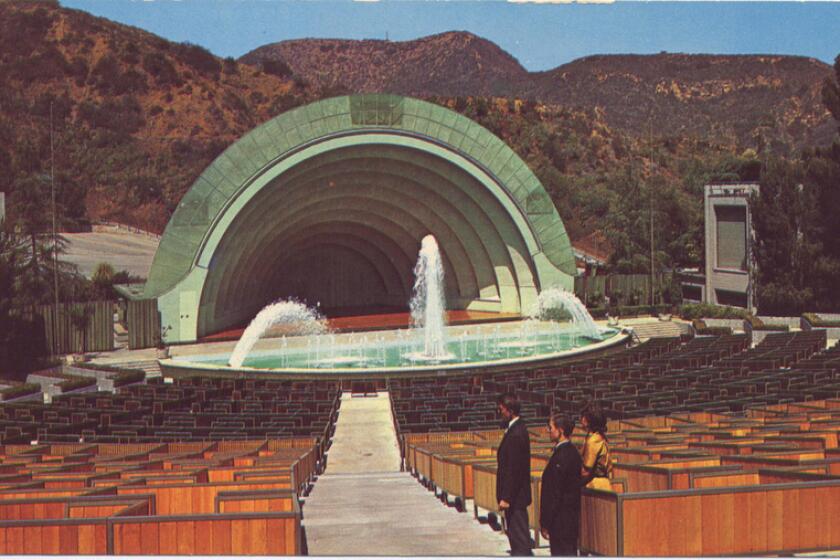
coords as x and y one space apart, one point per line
560 494
513 477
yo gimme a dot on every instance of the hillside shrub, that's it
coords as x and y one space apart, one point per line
78 69
130 81
276 68
46 66
198 58
105 73
130 54
229 65
161 69
124 115
62 107
24 32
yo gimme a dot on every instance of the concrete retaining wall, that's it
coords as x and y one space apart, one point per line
737 325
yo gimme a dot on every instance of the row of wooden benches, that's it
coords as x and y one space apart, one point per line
633 385
765 482
172 412
209 498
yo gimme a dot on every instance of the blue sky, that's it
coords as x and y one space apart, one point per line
540 36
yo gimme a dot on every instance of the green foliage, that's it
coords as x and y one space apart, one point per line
161 69
76 382
105 73
123 376
126 377
103 280
797 230
758 325
23 32
783 299
122 115
831 91
784 248
45 66
701 328
80 316
639 310
229 66
15 391
818 322
276 68
555 314
598 312
708 311
198 58
595 299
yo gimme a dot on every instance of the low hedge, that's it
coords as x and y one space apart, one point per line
700 327
819 322
598 312
758 325
630 310
715 331
75 382
638 310
127 376
21 390
107 368
123 376
708 311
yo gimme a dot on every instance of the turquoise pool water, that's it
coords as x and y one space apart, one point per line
403 349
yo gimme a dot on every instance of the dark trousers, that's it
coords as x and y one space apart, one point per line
561 546
563 535
518 532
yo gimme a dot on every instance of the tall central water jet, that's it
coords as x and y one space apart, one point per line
428 305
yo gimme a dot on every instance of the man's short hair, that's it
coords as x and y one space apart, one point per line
510 402
562 421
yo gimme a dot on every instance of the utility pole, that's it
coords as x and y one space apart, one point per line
54 237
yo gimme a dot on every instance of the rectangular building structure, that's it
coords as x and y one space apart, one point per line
729 240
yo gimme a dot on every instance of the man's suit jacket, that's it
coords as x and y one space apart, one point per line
560 494
513 477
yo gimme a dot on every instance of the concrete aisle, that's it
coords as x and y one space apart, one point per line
364 505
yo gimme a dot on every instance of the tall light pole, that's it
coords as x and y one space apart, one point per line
56 347
650 210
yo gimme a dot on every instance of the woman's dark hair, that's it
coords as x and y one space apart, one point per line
510 402
566 424
596 418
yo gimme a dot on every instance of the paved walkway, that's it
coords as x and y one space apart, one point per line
363 504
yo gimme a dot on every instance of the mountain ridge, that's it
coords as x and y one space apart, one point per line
675 93
137 118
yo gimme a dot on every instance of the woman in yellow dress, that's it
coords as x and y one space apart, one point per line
597 462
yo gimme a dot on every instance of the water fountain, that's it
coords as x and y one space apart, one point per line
554 301
560 325
301 319
428 305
